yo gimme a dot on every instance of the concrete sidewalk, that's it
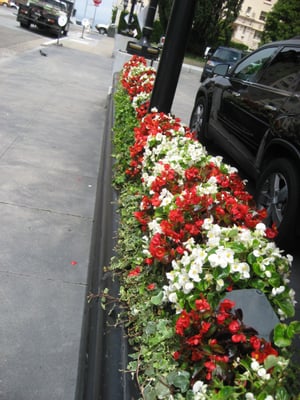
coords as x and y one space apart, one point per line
52 111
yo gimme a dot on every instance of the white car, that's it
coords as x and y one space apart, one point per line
104 28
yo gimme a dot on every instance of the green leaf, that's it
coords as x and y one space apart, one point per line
270 362
162 391
282 394
281 338
156 300
179 379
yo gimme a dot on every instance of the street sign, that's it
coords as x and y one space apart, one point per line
97 2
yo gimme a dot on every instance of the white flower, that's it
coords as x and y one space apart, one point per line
173 298
194 273
242 268
199 390
260 228
199 386
187 287
154 227
249 396
255 365
269 397
279 290
261 372
220 284
165 197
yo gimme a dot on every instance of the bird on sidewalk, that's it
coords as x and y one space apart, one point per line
42 53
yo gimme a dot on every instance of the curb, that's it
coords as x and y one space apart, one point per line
103 355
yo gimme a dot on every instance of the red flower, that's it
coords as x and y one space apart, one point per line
151 286
182 323
194 340
226 305
234 326
255 342
265 350
239 338
135 272
202 305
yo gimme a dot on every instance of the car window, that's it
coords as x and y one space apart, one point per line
248 70
284 70
226 55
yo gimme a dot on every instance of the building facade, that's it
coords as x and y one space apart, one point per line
250 23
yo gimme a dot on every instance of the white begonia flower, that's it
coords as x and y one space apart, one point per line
173 297
262 373
171 275
260 228
255 365
154 227
188 287
208 277
199 390
279 290
222 257
207 223
243 268
245 236
165 197
220 284
199 254
194 273
189 243
268 274
249 396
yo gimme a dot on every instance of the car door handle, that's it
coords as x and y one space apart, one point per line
270 107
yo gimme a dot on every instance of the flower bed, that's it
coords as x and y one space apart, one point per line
189 234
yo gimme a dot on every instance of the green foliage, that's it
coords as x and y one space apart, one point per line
212 25
283 22
114 14
125 121
158 31
123 26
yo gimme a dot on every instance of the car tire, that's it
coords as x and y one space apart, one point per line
25 25
102 31
198 119
278 191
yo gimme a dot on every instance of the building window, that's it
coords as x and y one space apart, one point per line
257 35
263 16
248 11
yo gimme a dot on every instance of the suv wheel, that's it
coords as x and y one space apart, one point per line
278 192
198 119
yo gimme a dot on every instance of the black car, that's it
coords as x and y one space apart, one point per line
221 55
252 111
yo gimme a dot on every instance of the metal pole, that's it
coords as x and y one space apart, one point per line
172 56
148 28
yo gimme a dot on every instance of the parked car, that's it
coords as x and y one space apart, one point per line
8 3
253 112
221 55
105 29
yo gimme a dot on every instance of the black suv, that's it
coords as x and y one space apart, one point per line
253 113
221 55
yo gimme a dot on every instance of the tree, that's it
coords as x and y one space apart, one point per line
213 22
283 22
